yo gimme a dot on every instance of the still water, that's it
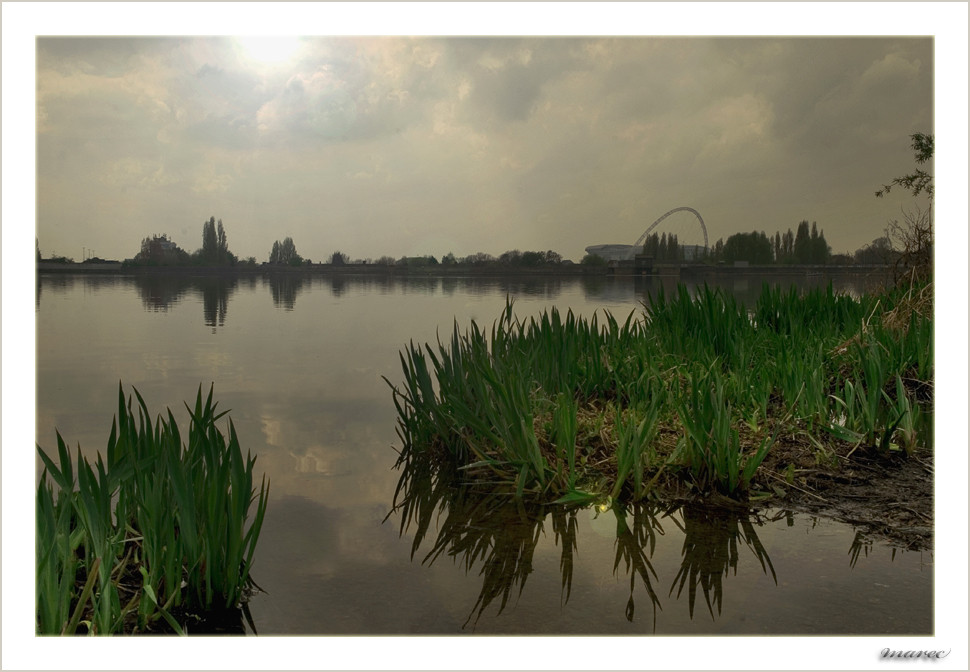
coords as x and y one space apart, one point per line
300 363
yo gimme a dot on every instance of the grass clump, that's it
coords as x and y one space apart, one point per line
694 392
155 535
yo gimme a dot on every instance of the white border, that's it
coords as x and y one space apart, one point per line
23 21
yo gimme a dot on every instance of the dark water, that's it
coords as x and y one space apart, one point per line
299 362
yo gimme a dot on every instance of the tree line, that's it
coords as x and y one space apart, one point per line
160 250
807 245
804 246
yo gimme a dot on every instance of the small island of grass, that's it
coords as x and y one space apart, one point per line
698 398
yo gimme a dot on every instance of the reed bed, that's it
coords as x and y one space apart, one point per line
153 536
695 390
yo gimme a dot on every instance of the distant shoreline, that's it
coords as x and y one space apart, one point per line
572 270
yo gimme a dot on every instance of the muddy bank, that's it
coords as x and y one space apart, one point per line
889 499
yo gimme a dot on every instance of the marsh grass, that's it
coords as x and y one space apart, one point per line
158 535
710 447
698 389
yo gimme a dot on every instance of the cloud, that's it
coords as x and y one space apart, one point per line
310 106
529 143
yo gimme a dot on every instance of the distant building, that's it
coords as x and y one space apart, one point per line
614 252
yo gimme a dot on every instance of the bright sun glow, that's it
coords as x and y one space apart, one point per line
269 49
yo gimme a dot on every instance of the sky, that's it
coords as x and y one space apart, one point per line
401 146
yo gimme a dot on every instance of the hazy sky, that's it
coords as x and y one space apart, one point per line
402 146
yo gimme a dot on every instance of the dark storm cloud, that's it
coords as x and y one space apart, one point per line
824 90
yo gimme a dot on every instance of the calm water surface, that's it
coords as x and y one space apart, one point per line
299 362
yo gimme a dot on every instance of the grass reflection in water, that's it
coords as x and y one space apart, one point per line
711 552
496 537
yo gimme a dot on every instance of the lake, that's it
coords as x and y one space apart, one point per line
300 362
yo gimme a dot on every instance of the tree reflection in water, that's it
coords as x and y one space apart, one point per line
497 535
284 287
160 291
215 299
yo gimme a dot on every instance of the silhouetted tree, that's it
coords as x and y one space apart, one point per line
879 251
479 259
819 249
788 246
673 248
222 246
803 241
215 248
510 258
717 252
210 241
160 251
284 253
533 258
913 237
918 181
553 257
752 247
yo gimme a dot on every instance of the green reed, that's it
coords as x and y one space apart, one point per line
162 528
710 326
710 447
563 436
574 409
635 450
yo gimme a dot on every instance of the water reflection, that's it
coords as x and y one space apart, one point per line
635 545
160 292
338 285
496 537
284 287
64 283
321 421
710 552
215 299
